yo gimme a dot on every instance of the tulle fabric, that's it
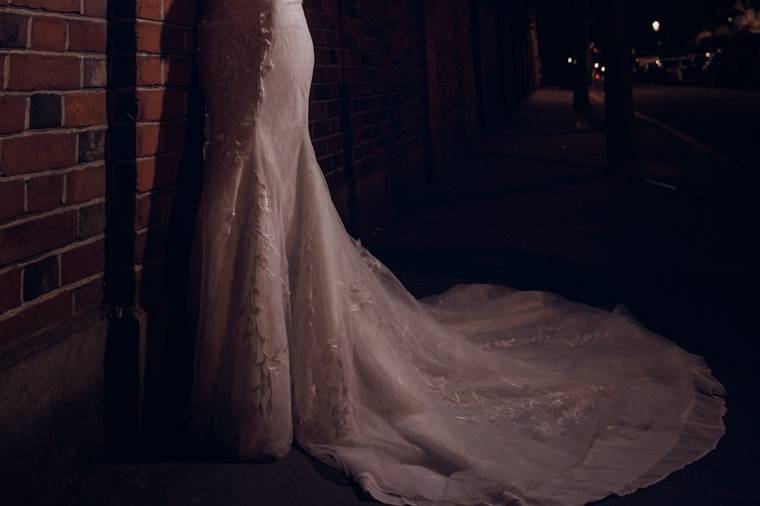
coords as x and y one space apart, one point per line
481 396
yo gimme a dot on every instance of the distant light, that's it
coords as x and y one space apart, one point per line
596 65
604 69
731 19
656 25
569 60
658 62
708 55
597 77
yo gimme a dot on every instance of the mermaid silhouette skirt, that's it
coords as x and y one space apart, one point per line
481 396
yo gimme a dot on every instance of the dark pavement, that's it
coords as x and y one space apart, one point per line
726 120
535 208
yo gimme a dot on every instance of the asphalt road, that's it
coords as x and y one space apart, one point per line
727 121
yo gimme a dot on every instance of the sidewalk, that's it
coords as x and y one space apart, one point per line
674 242
535 208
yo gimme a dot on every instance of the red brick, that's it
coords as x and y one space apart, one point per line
48 33
89 36
12 201
82 262
10 290
155 105
86 184
12 113
149 70
85 109
148 140
88 296
148 37
50 5
37 236
156 172
37 317
44 192
32 153
96 8
149 104
148 9
43 72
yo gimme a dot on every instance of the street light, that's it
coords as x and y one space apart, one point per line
656 25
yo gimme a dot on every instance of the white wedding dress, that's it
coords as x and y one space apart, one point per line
481 396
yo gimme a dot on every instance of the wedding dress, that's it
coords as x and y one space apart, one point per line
483 395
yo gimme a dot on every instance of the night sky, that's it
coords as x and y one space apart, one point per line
681 23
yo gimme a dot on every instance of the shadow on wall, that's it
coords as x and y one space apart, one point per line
175 358
154 180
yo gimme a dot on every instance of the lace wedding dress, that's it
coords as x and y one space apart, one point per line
483 395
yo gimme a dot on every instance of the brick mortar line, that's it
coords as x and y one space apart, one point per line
73 91
182 119
151 54
50 295
43 52
38 12
6 72
52 172
158 87
158 22
151 227
159 155
27 93
52 130
155 22
54 252
150 193
142 158
148 229
53 212
136 268
158 53
29 28
146 87
27 112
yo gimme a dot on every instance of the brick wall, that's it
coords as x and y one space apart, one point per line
52 219
153 153
369 103
52 172
402 89
451 79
